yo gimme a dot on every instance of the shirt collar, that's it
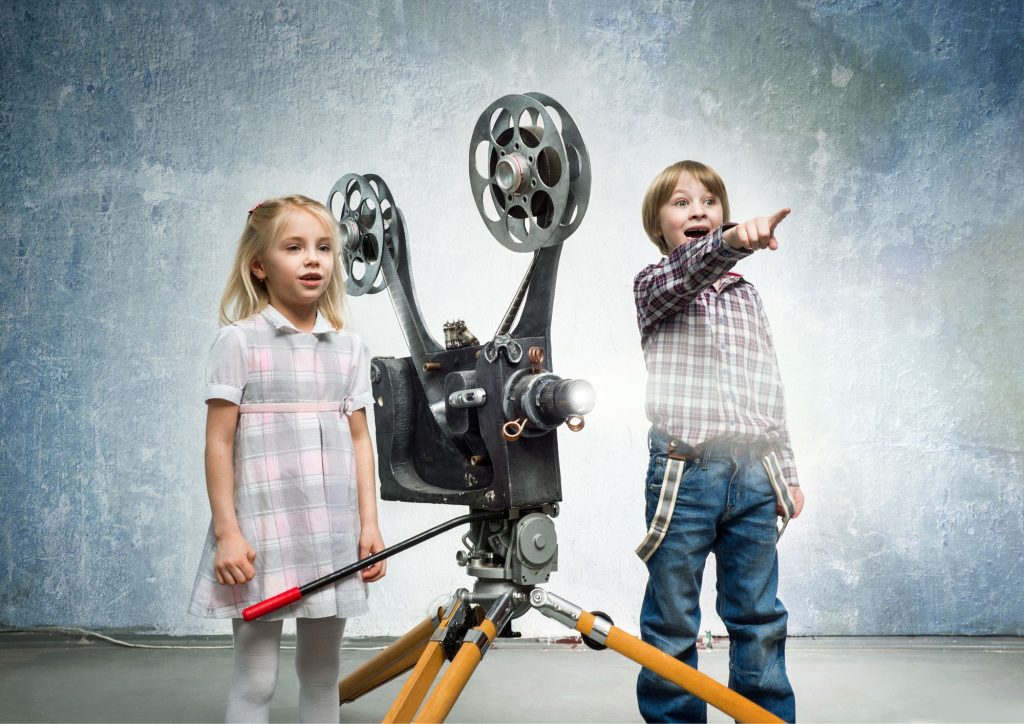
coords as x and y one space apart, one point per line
727 279
321 326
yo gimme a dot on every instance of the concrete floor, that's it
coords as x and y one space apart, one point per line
60 677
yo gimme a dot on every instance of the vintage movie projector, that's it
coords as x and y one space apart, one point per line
472 422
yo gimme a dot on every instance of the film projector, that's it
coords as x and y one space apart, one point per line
473 423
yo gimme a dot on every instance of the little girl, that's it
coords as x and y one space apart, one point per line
289 462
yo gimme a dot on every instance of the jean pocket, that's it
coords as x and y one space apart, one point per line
656 472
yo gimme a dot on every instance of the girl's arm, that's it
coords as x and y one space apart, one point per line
370 540
233 564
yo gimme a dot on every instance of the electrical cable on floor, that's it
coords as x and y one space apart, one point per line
128 644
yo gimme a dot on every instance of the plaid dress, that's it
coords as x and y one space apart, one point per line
295 482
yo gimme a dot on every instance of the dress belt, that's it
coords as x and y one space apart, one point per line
290 407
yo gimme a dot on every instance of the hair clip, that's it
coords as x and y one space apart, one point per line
255 206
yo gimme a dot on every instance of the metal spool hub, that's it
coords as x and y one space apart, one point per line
529 171
368 222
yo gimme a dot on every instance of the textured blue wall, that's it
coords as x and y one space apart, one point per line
134 137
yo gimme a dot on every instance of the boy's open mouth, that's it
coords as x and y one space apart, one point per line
696 232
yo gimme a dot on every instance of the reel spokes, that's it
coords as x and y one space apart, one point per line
529 172
577 162
369 221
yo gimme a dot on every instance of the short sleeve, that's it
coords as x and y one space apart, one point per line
360 394
227 367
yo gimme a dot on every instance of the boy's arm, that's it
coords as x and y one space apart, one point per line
788 464
786 460
370 540
662 290
784 447
756 233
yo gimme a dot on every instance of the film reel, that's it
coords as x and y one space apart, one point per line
369 221
529 171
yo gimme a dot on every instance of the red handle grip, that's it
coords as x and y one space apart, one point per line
272 604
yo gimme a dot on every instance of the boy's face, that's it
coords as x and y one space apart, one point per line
691 212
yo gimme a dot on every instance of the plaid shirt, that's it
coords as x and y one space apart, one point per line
712 370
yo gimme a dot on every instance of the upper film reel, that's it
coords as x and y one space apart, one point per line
369 221
529 171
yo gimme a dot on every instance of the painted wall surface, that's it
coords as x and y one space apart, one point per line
134 137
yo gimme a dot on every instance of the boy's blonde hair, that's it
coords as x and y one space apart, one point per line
660 191
245 295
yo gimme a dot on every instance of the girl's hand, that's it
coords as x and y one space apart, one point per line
370 542
235 557
758 233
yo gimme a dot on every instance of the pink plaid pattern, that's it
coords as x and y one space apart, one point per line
295 487
711 365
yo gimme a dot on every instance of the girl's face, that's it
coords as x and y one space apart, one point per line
691 212
298 265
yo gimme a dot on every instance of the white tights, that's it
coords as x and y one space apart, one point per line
317 661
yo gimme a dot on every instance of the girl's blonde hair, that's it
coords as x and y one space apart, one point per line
245 295
660 191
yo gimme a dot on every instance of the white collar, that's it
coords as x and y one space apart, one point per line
321 326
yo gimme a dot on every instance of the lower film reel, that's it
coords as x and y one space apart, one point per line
529 171
368 220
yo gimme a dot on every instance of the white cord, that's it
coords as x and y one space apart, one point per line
128 644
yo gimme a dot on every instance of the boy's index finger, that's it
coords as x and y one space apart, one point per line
776 218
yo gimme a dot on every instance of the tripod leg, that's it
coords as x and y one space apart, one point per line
700 685
430 661
396 659
448 689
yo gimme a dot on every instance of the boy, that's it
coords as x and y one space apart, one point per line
721 463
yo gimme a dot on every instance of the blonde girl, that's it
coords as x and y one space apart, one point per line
289 461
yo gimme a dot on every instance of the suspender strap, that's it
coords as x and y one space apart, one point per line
663 515
771 464
674 468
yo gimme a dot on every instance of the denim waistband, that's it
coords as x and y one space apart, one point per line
718 449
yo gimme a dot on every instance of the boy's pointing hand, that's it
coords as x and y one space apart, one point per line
758 233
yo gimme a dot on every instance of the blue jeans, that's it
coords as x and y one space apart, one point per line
726 505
